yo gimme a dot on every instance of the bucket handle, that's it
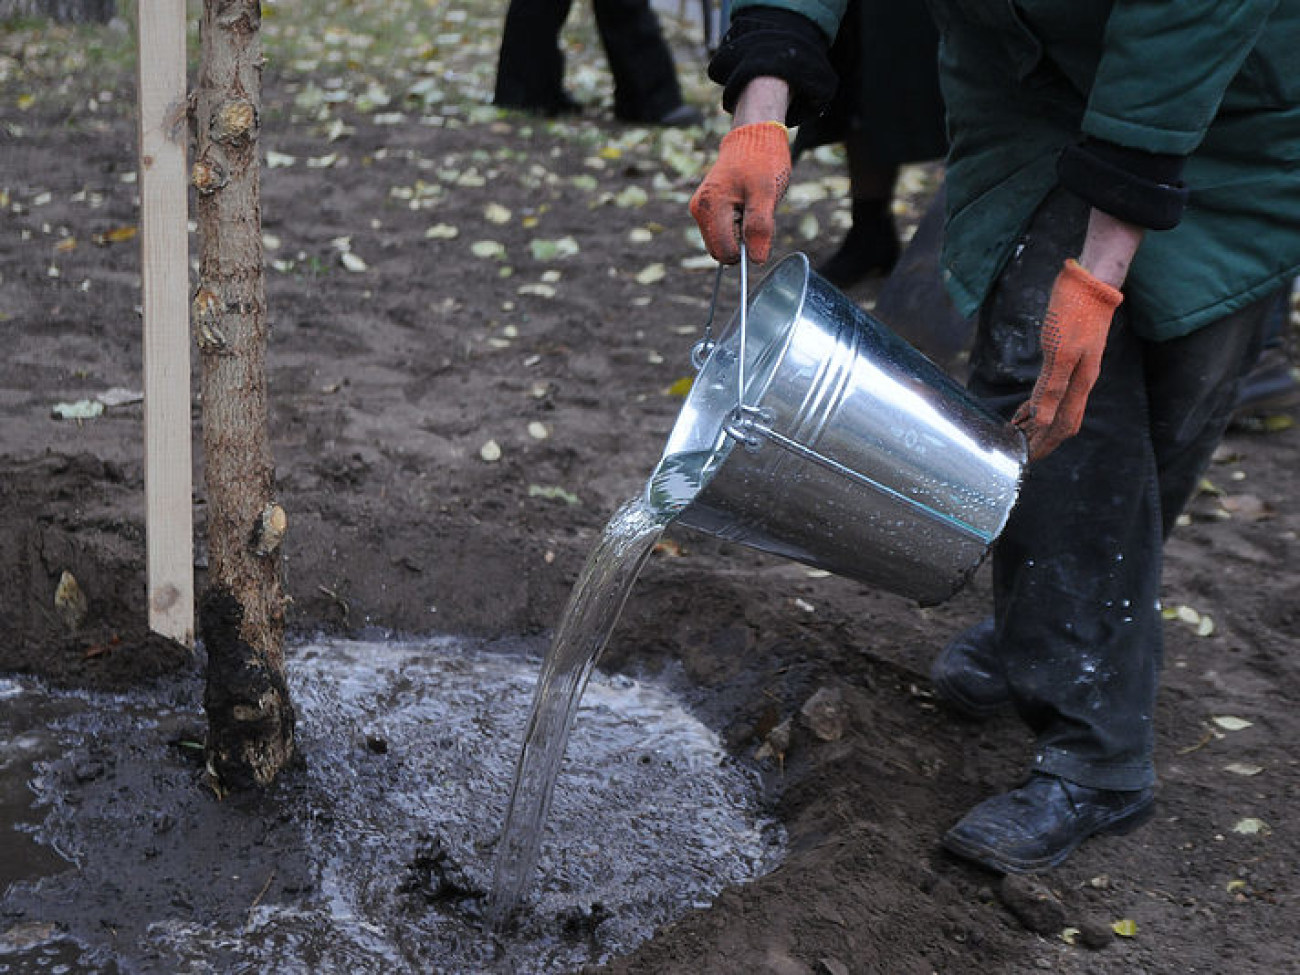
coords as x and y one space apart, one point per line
742 416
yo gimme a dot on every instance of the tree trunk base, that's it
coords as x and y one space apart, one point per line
250 715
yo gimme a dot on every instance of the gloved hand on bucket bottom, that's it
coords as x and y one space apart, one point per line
1075 327
743 188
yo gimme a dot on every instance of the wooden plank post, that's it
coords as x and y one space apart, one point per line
168 449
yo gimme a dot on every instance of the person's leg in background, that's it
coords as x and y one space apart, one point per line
646 89
530 65
1273 383
871 245
887 111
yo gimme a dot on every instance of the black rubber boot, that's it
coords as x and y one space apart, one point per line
1035 827
869 248
966 675
1271 386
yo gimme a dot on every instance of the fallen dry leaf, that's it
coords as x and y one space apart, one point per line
1125 928
1229 722
1251 826
651 273
488 249
1243 768
118 235
1246 506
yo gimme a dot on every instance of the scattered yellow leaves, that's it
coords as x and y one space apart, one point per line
1125 928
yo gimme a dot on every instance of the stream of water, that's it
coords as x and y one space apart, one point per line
589 618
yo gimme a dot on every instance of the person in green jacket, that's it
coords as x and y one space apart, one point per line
1123 204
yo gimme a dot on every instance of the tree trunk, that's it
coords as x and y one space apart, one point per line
61 11
241 615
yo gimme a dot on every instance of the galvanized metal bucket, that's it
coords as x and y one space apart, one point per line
814 432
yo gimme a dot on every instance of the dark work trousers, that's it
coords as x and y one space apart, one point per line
1076 574
530 69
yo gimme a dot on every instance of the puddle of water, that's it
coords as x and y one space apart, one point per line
20 749
409 750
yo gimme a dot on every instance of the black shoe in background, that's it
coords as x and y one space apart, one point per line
870 248
1273 385
551 106
683 116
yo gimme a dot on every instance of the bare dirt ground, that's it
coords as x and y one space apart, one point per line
562 345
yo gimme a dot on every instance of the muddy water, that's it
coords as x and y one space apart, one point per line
376 854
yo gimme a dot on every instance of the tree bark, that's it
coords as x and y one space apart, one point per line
60 11
250 715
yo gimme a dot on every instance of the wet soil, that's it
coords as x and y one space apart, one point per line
387 382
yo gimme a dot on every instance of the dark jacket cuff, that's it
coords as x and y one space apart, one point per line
1145 188
768 42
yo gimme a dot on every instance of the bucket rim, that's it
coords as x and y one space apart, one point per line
797 266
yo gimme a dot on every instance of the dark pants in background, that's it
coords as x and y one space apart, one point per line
1076 574
530 72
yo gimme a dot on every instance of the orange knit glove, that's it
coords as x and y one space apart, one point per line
742 191
1073 340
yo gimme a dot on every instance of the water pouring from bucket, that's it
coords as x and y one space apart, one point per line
811 432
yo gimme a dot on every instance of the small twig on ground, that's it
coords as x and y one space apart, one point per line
258 899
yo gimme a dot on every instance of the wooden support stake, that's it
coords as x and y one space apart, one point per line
168 450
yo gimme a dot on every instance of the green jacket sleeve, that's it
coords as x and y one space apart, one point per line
826 14
1165 68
